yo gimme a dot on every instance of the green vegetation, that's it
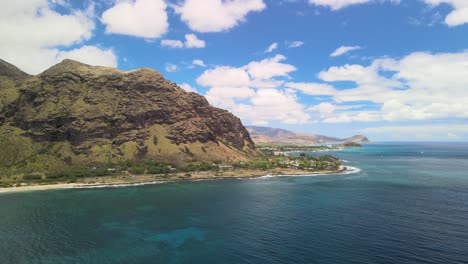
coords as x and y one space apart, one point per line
279 148
32 176
352 145
26 161
199 166
71 173
302 162
77 122
165 170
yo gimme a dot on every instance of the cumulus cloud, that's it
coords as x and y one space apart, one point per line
272 47
268 68
198 63
139 18
424 132
216 15
294 44
420 86
171 43
90 55
171 67
191 41
34 23
343 50
224 76
313 88
337 4
340 4
228 97
254 93
274 105
324 109
35 36
458 16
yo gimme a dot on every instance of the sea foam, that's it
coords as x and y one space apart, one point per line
97 186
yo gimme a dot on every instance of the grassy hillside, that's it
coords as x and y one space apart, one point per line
78 116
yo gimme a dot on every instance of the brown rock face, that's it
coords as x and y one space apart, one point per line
131 115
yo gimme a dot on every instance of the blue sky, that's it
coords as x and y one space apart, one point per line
392 70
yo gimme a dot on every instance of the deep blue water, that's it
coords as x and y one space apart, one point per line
409 204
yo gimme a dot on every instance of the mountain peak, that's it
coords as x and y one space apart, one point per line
68 65
92 114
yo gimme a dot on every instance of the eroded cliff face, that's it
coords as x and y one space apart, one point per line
82 114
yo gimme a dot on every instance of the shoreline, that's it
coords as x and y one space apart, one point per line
148 180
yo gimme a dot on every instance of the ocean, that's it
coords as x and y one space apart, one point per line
403 203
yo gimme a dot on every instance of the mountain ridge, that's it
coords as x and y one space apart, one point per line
278 135
74 113
10 70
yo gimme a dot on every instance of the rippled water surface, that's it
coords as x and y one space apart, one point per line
408 204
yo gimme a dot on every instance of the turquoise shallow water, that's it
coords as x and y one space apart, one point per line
408 204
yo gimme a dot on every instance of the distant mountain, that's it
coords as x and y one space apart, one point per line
77 114
278 135
357 139
269 132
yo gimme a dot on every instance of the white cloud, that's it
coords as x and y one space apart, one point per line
226 97
32 32
424 132
258 74
343 50
294 44
216 15
329 111
313 88
199 63
274 105
139 18
420 86
325 109
458 16
171 67
268 68
252 92
262 105
224 76
356 116
337 4
172 43
359 74
188 88
191 41
33 23
272 47
266 83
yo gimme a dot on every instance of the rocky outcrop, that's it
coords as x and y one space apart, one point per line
357 139
104 114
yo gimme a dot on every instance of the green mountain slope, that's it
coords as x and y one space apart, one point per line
76 114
